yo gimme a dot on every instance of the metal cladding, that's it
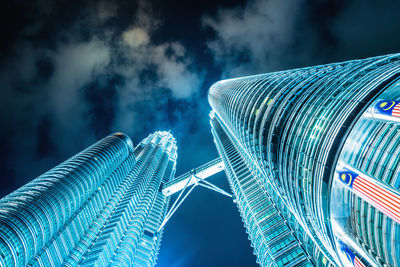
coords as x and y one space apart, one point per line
292 141
101 206
192 177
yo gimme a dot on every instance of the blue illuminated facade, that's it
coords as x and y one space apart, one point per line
102 206
312 157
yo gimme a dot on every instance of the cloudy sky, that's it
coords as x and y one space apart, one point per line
71 73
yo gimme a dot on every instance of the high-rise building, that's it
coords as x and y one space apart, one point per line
312 158
103 205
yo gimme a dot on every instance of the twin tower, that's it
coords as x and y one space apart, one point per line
312 157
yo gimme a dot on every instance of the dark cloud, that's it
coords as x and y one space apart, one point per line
72 73
80 77
365 28
269 35
256 38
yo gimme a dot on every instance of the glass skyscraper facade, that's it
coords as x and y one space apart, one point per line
312 158
102 206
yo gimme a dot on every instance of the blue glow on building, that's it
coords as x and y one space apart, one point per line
103 205
292 141
311 156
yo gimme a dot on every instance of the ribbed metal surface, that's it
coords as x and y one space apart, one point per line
373 148
92 209
292 126
271 236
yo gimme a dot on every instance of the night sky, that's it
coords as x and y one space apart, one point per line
74 72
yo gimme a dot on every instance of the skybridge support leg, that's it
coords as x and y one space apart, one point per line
185 184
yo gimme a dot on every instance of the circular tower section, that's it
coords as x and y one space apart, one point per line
308 132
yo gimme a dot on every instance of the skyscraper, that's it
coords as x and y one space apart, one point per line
312 158
103 205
